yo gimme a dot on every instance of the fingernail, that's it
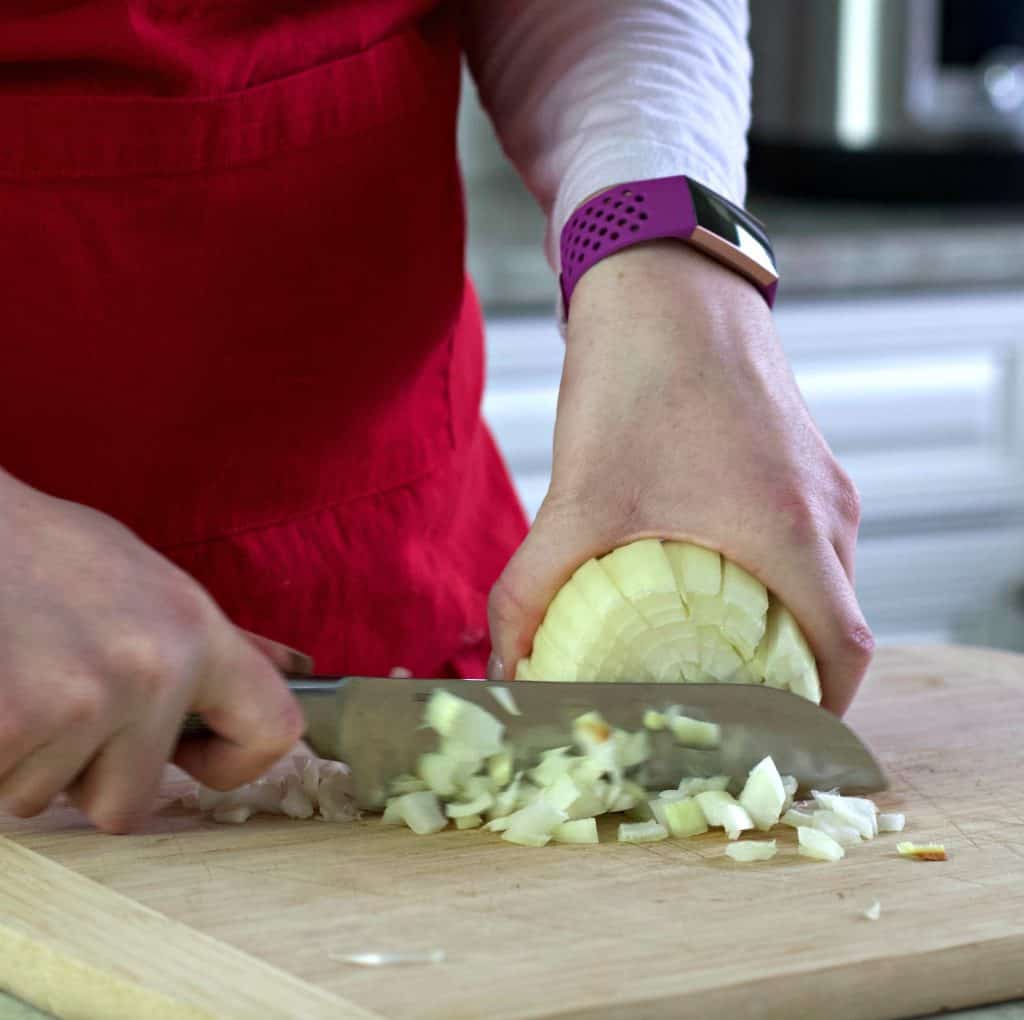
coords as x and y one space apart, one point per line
299 662
495 668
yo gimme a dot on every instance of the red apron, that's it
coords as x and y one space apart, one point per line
234 311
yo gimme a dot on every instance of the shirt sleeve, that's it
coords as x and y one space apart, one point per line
585 94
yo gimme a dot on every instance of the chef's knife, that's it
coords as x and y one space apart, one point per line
375 726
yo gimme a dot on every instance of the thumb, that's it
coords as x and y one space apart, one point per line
549 555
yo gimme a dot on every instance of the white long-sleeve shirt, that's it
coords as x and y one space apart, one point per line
585 94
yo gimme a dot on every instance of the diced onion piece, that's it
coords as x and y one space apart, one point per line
671 795
817 845
752 850
209 799
476 786
405 784
524 837
392 812
503 696
640 812
464 723
590 803
233 814
499 768
722 810
587 771
692 785
654 720
266 795
832 825
554 764
658 807
442 711
923 852
623 796
562 794
790 785
311 780
891 821
642 832
874 912
590 730
438 772
763 795
539 818
477 806
422 812
335 801
468 822
295 803
507 800
684 817
580 830
795 817
693 732
632 749
857 812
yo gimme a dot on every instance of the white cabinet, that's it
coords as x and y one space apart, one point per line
921 397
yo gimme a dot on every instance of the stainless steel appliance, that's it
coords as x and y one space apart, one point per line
889 98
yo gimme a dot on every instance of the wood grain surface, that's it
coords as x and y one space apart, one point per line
672 929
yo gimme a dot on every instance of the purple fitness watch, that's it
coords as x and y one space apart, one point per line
677 207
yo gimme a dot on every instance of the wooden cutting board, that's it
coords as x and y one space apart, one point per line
672 929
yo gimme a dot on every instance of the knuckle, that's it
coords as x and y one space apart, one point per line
847 498
858 644
799 513
188 609
504 605
140 659
82 704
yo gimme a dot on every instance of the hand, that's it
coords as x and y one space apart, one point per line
104 647
679 417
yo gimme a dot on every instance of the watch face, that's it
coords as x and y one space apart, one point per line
741 231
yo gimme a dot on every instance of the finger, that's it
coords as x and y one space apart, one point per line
519 599
30 786
18 740
845 545
255 718
814 585
119 786
288 660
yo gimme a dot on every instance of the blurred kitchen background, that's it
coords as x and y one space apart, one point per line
887 162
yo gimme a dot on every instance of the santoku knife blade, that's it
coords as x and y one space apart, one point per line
375 725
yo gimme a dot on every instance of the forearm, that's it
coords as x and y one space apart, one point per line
584 94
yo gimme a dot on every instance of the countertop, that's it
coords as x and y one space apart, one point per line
823 249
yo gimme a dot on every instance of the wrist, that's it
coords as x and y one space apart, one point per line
664 291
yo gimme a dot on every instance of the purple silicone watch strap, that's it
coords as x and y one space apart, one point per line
623 216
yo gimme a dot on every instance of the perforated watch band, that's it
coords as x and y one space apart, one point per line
666 207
